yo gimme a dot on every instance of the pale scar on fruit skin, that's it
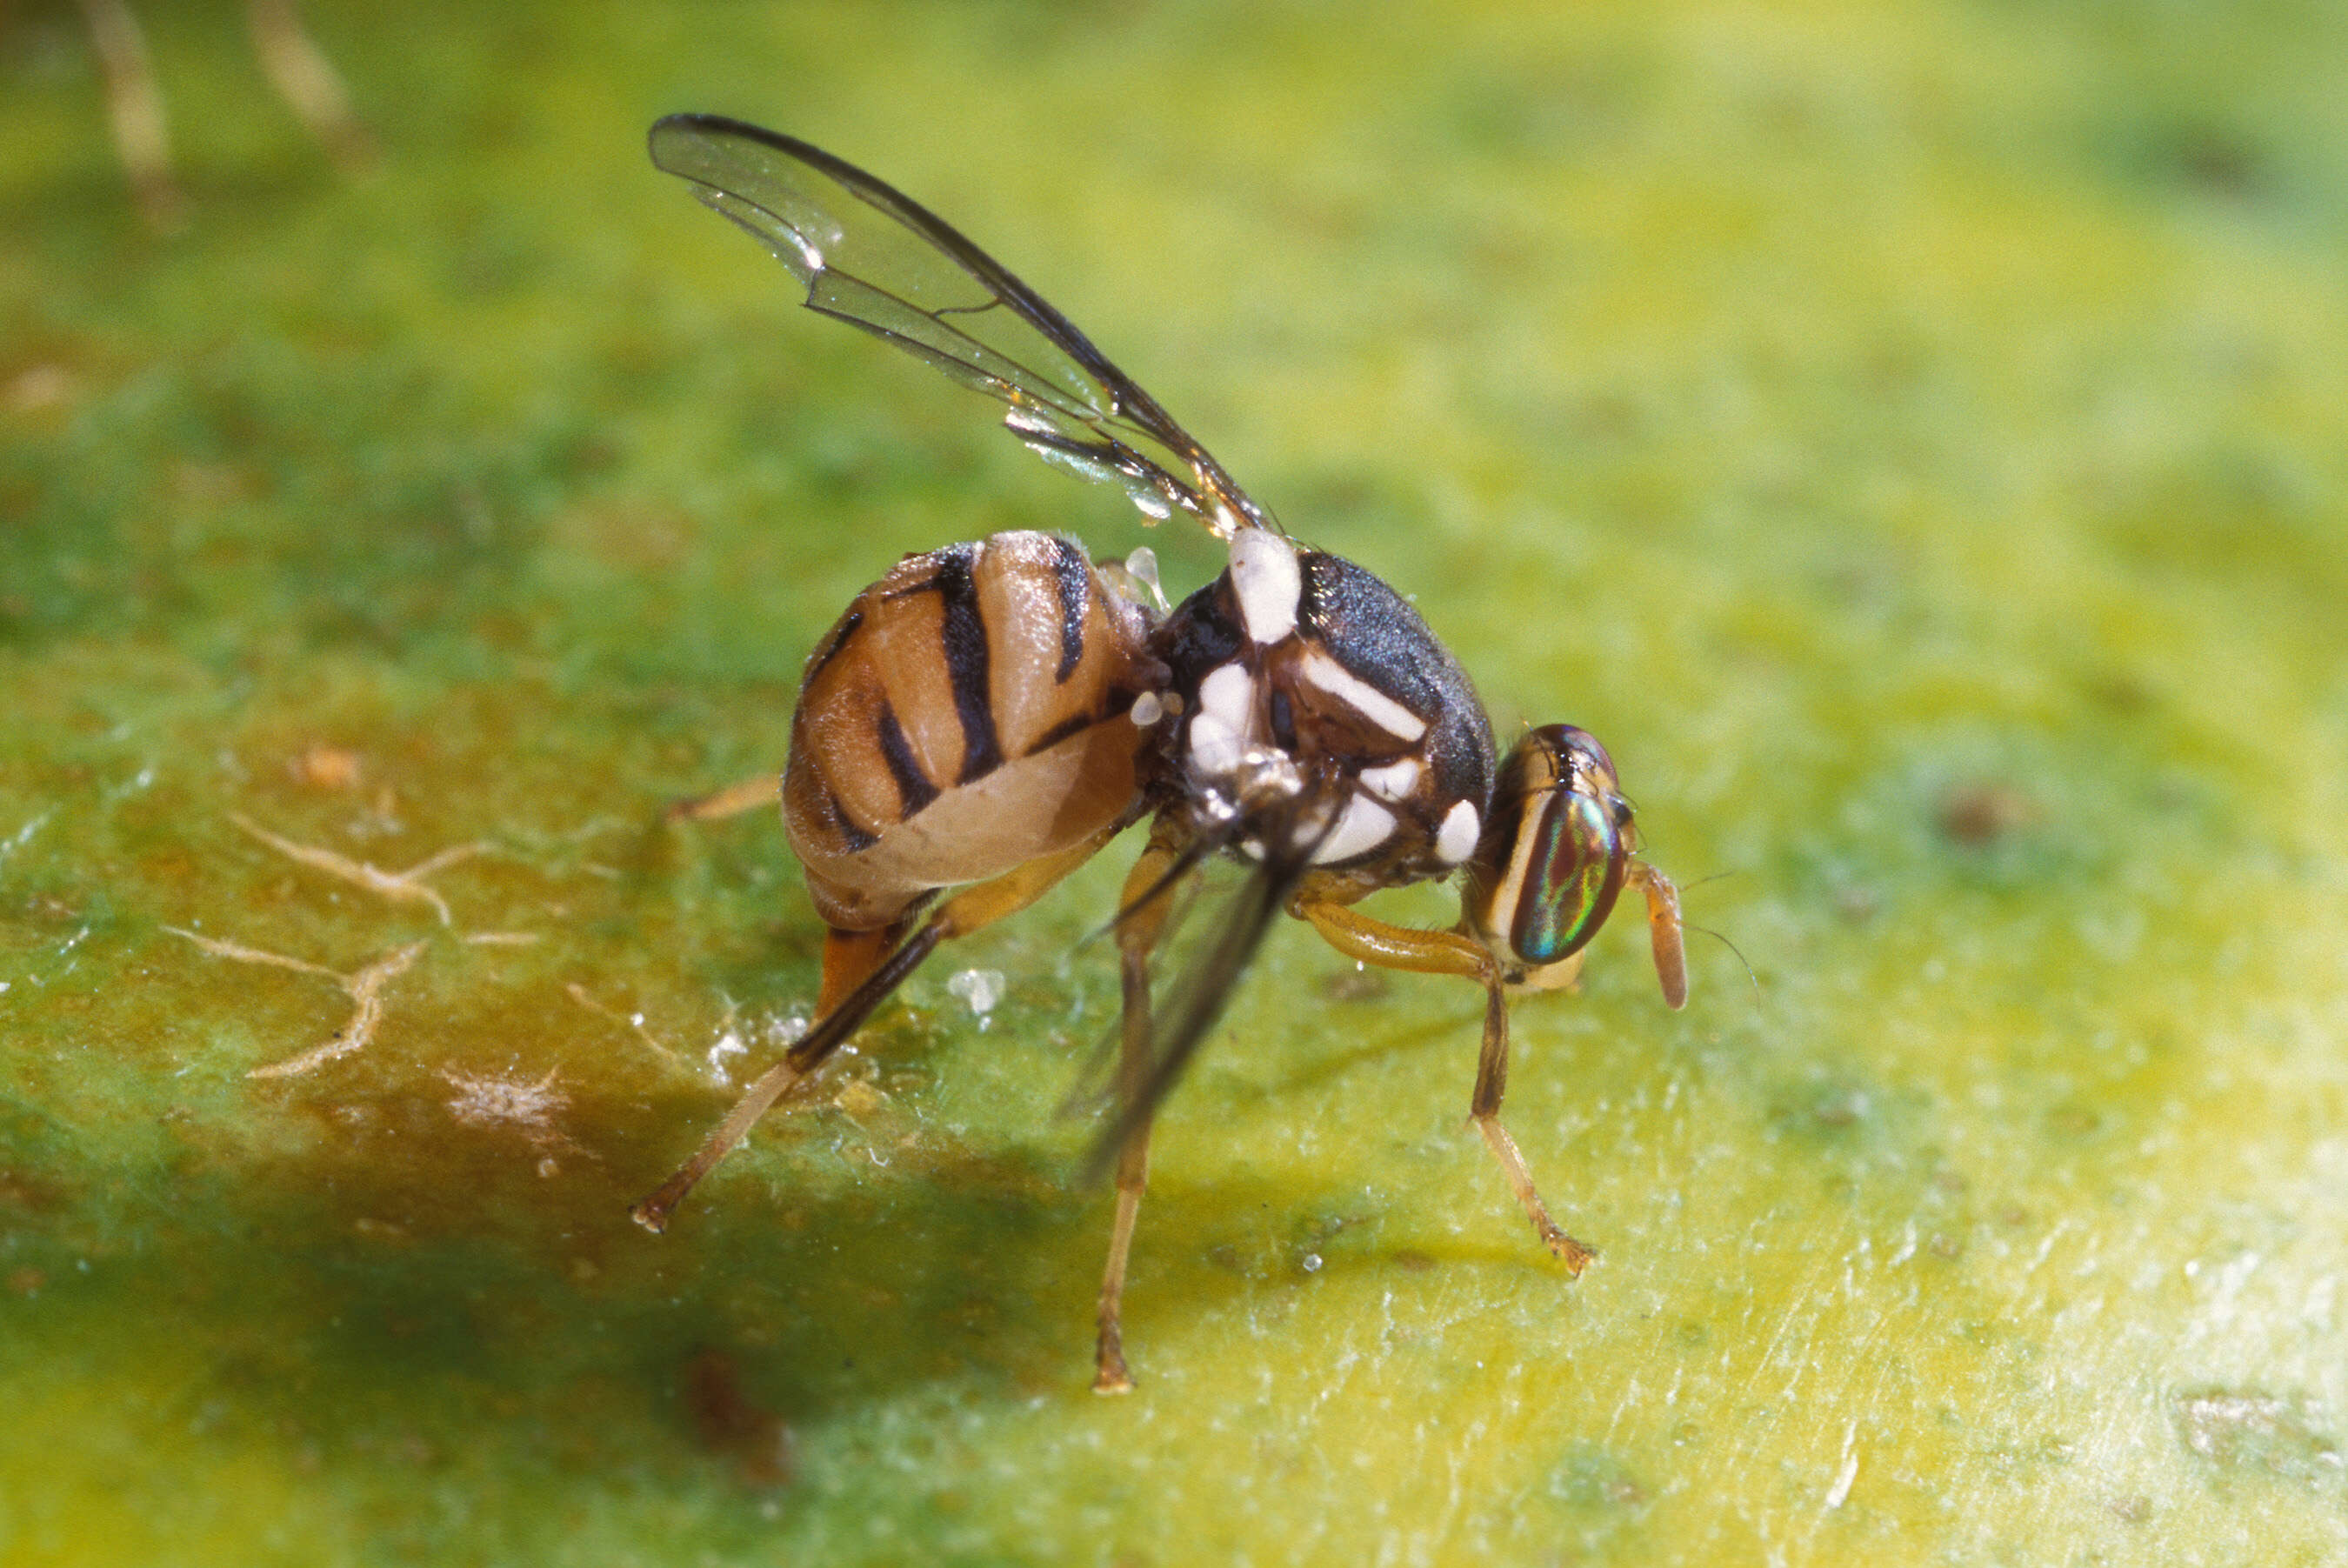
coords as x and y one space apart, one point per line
633 1022
527 1107
482 1101
365 987
400 887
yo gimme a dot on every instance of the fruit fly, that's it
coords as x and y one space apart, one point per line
987 717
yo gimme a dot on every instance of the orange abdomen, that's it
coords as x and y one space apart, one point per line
968 713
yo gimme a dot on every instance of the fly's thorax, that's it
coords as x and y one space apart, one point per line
970 712
1553 858
1316 706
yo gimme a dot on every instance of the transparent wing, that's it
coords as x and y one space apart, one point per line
1194 1002
875 258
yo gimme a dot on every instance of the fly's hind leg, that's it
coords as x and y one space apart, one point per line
860 970
1370 941
1142 910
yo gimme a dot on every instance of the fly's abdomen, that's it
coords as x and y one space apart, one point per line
968 713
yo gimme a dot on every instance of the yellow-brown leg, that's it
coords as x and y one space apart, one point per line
306 80
968 911
849 959
1138 925
1372 941
135 106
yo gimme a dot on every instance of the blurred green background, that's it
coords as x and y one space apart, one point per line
1910 434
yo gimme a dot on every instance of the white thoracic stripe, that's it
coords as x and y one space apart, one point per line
1360 696
1219 732
1392 782
1225 694
1364 826
1215 748
1455 839
1264 576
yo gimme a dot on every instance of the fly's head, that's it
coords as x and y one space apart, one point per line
1561 844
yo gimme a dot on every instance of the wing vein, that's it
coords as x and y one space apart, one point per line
869 255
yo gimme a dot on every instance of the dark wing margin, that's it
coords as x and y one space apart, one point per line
875 258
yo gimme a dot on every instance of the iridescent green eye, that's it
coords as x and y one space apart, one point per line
1556 854
1571 877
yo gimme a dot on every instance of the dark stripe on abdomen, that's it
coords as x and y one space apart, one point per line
857 840
1112 704
964 637
1074 725
914 789
847 628
1072 575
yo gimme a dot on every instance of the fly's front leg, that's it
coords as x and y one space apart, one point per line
1358 936
1491 1083
856 963
1142 910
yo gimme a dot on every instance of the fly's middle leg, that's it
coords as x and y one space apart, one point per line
1372 941
1141 920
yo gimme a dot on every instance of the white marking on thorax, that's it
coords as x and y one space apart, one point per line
1265 578
1220 731
1319 669
1392 782
1364 826
1455 839
1228 695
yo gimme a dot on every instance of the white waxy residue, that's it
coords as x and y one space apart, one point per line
1142 565
729 1043
784 1029
982 988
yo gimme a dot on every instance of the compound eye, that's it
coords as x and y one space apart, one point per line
1572 875
1582 761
